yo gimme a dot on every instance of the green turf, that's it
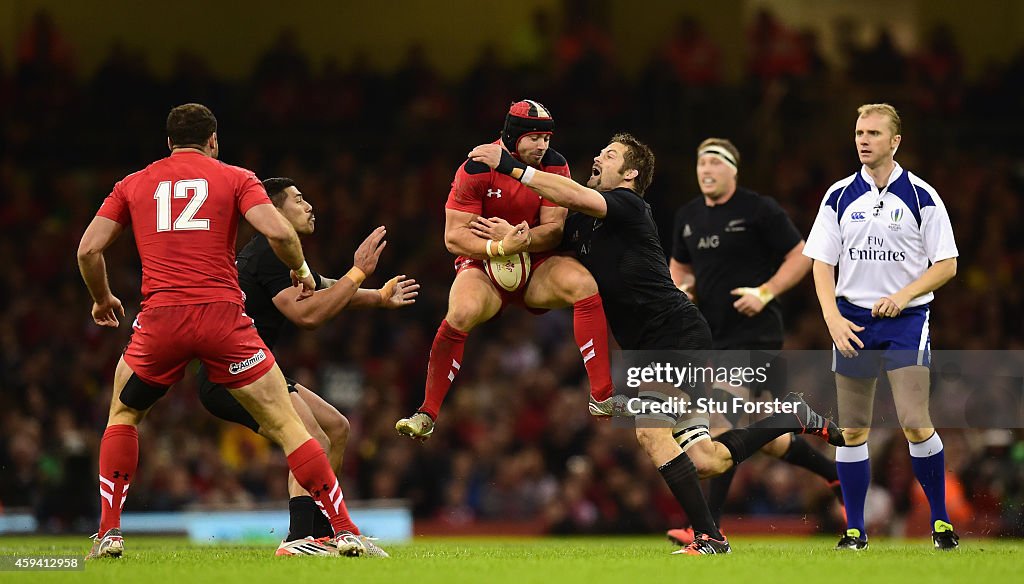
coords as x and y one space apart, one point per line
151 560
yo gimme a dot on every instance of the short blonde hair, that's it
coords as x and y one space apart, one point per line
884 109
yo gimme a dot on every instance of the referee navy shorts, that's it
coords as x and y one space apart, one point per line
892 343
166 338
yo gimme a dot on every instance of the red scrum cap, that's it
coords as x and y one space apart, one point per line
525 117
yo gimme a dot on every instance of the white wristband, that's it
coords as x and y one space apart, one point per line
303 271
528 175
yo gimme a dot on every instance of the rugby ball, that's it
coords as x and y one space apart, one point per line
509 272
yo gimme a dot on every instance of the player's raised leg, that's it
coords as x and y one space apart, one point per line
471 301
735 446
562 281
788 447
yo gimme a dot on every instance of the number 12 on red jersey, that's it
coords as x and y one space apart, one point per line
196 190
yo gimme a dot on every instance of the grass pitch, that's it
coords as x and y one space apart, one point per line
155 560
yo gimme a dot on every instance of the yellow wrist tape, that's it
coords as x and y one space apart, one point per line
356 275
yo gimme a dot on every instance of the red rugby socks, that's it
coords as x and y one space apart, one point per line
445 362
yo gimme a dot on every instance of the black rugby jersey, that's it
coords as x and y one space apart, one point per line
739 243
262 275
623 252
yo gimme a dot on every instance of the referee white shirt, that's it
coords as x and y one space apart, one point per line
882 240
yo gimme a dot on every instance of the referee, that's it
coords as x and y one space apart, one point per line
887 233
734 251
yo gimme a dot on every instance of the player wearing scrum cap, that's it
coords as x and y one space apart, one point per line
490 214
733 252
612 232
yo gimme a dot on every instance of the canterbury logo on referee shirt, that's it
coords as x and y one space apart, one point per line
249 363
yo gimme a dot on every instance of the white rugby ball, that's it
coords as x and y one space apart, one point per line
509 272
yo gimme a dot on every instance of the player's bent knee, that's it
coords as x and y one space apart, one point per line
777 448
337 428
653 439
465 316
577 284
704 458
644 437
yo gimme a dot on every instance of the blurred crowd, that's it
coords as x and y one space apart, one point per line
368 148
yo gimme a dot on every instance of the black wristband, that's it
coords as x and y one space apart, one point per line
508 163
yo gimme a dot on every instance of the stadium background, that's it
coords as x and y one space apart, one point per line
371 108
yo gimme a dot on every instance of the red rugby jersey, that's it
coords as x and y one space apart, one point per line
184 211
479 190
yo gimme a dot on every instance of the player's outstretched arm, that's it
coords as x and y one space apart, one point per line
395 293
97 238
285 243
547 234
555 188
325 304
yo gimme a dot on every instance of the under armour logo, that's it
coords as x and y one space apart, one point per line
119 474
494 193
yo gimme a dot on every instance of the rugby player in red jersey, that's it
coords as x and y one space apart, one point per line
489 214
184 211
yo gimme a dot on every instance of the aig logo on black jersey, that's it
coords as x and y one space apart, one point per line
709 242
